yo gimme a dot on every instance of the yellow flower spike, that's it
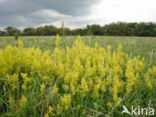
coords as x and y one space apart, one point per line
46 79
51 109
24 75
108 48
84 86
103 86
90 83
12 80
24 87
10 100
66 87
72 88
149 78
20 43
57 41
65 101
23 102
26 82
79 38
78 44
119 47
54 90
96 45
109 104
59 109
46 115
42 88
84 111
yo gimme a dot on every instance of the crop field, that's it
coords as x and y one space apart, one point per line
52 76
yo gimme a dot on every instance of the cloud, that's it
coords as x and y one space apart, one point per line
124 10
23 13
75 13
55 18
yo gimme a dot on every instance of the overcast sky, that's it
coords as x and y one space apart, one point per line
74 13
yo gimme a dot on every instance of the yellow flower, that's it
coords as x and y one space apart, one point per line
12 80
23 102
46 115
51 111
84 86
27 81
10 100
108 48
54 90
65 101
42 88
24 75
20 43
59 109
84 112
109 104
119 47
57 41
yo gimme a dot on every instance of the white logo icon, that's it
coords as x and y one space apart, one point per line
125 110
138 111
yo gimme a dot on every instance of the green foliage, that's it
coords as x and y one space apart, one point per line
2 33
11 31
16 36
29 31
113 29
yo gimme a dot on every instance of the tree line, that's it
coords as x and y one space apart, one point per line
113 29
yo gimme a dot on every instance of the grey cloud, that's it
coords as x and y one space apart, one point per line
19 12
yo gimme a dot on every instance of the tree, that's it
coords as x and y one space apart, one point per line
11 31
39 31
29 32
95 29
79 31
2 33
50 30
113 29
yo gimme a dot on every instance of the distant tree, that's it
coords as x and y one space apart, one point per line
79 31
154 32
50 30
29 32
95 29
67 31
89 33
11 31
16 36
2 33
113 29
131 29
39 31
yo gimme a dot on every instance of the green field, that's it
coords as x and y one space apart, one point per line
79 81
134 46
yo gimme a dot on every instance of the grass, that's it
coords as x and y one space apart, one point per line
134 46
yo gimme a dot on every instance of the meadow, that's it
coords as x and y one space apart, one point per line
134 46
48 76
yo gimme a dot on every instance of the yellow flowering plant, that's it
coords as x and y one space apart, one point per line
57 83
